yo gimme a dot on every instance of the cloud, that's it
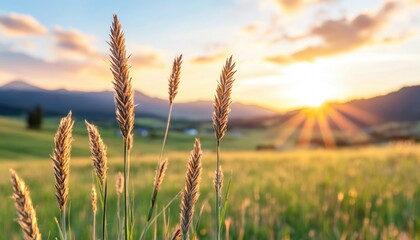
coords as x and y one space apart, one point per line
12 62
15 24
204 59
72 43
145 56
292 6
340 36
251 28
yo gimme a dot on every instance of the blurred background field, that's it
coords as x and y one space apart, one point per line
358 192
323 138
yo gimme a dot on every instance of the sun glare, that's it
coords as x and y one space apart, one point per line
310 85
313 95
313 100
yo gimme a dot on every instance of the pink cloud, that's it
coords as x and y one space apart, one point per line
340 36
73 43
15 24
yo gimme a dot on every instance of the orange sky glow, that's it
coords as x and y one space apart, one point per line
288 55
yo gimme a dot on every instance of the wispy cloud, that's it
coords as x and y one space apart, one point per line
293 6
15 24
146 57
251 28
210 58
12 62
73 43
341 36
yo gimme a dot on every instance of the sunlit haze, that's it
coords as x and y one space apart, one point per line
289 54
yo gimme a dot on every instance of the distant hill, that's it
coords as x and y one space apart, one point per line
20 85
399 106
18 97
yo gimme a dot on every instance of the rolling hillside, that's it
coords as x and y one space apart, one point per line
18 97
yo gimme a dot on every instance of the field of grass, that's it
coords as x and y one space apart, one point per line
352 193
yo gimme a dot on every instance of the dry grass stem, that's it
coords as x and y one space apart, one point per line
124 93
160 174
177 235
174 79
98 151
94 200
124 102
119 183
24 208
218 179
222 100
61 159
191 191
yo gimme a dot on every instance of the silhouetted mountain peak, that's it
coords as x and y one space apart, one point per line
21 95
20 85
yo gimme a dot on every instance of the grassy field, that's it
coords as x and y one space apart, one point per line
353 193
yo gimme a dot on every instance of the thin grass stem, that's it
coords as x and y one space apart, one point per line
105 191
126 196
218 191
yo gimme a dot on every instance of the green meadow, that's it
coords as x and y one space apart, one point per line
370 192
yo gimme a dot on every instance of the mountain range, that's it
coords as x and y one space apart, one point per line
18 97
402 105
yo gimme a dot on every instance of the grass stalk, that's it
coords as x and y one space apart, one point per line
168 123
104 191
218 194
126 195
119 189
173 83
119 216
144 232
222 102
94 210
155 190
63 222
94 227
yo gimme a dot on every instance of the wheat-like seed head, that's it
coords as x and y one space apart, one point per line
94 200
24 208
223 100
119 183
98 151
61 159
177 235
124 93
218 179
174 79
160 174
191 191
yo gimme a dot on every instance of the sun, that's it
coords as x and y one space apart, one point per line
314 100
310 85
312 95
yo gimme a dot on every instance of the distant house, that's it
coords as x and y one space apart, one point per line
143 132
191 131
236 133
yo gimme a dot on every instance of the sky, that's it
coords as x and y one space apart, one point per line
288 53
